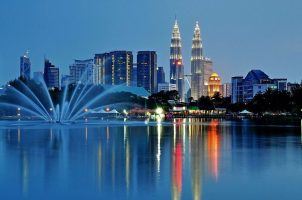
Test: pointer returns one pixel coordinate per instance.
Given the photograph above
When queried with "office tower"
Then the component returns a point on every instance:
(25, 66)
(197, 69)
(82, 71)
(51, 75)
(226, 89)
(207, 72)
(65, 80)
(114, 68)
(214, 85)
(176, 62)
(166, 87)
(101, 61)
(237, 89)
(146, 70)
(134, 75)
(161, 75)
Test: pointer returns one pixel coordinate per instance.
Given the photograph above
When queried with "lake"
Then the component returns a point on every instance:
(184, 159)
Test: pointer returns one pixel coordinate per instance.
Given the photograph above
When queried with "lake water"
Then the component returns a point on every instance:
(187, 159)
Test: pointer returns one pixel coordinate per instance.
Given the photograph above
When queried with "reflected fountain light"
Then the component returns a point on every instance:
(107, 133)
(125, 134)
(86, 134)
(99, 159)
(25, 173)
(158, 154)
(127, 165)
(19, 135)
(50, 134)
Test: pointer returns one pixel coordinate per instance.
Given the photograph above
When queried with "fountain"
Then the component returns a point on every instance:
(31, 99)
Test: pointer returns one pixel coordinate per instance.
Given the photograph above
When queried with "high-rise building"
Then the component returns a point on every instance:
(226, 89)
(82, 71)
(51, 75)
(207, 72)
(176, 62)
(114, 68)
(134, 75)
(146, 70)
(65, 80)
(237, 89)
(101, 61)
(161, 76)
(214, 85)
(197, 69)
(25, 66)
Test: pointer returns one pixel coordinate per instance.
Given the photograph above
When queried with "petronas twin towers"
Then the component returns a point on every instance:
(201, 67)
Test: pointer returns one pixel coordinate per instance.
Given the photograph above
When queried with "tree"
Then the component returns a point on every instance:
(205, 103)
(297, 99)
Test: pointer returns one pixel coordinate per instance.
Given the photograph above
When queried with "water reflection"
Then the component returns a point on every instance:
(185, 160)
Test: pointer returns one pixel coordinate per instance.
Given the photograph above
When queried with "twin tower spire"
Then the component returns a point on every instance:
(176, 60)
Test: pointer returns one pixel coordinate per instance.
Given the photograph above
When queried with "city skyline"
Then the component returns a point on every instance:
(245, 39)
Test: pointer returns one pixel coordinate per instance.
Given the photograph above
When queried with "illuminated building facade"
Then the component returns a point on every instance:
(255, 82)
(166, 87)
(147, 70)
(100, 63)
(214, 85)
(81, 71)
(226, 89)
(176, 62)
(197, 69)
(207, 72)
(25, 66)
(114, 68)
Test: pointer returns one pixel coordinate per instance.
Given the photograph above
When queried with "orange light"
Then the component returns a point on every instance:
(179, 63)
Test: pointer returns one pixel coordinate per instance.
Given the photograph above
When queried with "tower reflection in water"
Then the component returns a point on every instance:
(177, 161)
(118, 160)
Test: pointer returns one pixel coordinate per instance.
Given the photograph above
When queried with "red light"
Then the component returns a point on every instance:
(179, 63)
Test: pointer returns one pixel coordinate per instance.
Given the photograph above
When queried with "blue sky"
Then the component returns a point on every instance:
(238, 34)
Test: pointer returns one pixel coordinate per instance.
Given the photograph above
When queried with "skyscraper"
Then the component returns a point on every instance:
(81, 71)
(147, 70)
(25, 66)
(100, 62)
(197, 68)
(207, 72)
(114, 68)
(176, 62)
(51, 75)
(161, 75)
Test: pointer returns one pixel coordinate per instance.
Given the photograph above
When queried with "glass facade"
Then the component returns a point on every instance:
(147, 70)
(25, 66)
(51, 75)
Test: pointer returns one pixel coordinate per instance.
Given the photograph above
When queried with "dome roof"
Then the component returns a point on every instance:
(214, 75)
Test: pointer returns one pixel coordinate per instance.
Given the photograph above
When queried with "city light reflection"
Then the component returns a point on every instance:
(213, 144)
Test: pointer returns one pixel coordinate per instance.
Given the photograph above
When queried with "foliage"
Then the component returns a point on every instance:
(161, 99)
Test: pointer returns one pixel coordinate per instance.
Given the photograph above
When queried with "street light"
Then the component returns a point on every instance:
(159, 111)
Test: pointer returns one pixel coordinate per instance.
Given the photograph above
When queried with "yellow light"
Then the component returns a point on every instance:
(159, 111)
